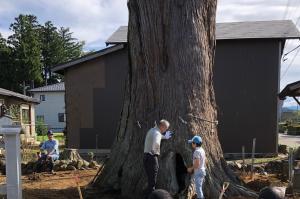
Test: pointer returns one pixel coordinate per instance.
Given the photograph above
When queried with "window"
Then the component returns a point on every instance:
(61, 117)
(25, 116)
(40, 118)
(42, 98)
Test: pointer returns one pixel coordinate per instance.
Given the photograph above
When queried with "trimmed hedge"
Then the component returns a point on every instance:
(294, 129)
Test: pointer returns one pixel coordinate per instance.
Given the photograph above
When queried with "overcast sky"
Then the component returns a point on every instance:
(94, 20)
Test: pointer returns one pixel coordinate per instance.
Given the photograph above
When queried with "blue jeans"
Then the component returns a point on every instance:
(199, 178)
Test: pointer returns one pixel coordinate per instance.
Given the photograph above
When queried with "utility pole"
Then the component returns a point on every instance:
(24, 87)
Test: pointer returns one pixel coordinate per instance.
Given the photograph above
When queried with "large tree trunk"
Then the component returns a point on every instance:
(171, 53)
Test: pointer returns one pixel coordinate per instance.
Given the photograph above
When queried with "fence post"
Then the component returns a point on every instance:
(96, 141)
(290, 164)
(253, 154)
(243, 158)
(13, 161)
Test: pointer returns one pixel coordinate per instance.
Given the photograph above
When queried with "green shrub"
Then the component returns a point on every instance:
(282, 127)
(44, 137)
(40, 127)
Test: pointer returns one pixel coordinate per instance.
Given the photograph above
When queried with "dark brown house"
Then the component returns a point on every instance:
(246, 82)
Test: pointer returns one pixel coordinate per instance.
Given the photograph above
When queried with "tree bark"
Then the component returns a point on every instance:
(171, 54)
(70, 154)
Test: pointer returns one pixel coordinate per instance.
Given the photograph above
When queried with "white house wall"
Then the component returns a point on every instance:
(54, 103)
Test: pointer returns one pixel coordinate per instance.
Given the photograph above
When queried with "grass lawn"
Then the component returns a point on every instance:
(58, 136)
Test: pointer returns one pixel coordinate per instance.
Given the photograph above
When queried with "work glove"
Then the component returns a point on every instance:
(168, 135)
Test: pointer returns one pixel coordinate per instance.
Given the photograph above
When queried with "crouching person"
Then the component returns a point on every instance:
(198, 167)
(46, 160)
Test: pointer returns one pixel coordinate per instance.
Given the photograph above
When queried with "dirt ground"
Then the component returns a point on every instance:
(260, 181)
(61, 185)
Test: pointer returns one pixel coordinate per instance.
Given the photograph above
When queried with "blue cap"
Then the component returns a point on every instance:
(50, 132)
(196, 139)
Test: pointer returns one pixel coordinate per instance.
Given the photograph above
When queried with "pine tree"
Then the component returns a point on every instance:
(51, 51)
(26, 49)
(30, 52)
(58, 46)
(72, 48)
(7, 79)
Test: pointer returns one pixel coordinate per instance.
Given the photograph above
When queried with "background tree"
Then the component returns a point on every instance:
(71, 47)
(171, 51)
(58, 46)
(7, 78)
(26, 49)
(51, 51)
(32, 50)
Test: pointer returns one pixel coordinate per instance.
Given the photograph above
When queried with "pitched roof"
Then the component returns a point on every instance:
(17, 95)
(291, 90)
(277, 29)
(50, 88)
(59, 68)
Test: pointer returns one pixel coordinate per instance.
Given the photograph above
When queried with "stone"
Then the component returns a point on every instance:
(274, 166)
(93, 164)
(265, 173)
(85, 164)
(79, 164)
(238, 165)
(259, 169)
(63, 167)
(271, 192)
(71, 167)
(56, 167)
(74, 163)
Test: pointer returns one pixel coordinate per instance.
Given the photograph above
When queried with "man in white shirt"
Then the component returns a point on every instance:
(152, 151)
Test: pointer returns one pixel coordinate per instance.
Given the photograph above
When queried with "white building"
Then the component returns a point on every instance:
(21, 108)
(51, 109)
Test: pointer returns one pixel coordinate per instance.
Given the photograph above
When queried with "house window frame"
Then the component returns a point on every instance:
(61, 117)
(42, 98)
(24, 120)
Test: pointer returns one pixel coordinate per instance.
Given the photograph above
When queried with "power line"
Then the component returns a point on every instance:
(288, 67)
(291, 51)
(286, 9)
(286, 14)
(294, 10)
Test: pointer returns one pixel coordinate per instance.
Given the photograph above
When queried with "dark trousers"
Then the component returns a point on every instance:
(44, 164)
(151, 166)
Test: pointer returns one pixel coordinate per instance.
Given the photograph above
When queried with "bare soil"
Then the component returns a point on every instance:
(61, 185)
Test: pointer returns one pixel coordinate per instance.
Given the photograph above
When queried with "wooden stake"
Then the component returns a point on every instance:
(78, 187)
(225, 186)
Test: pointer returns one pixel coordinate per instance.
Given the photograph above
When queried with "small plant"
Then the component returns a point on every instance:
(14, 112)
(91, 156)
